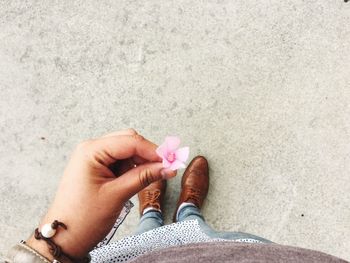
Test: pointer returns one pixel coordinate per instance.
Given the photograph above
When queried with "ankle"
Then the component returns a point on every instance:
(183, 206)
(151, 208)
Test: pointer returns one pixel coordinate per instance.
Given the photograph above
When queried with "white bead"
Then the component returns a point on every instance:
(47, 231)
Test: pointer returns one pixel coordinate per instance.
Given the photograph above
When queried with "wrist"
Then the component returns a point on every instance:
(68, 238)
(62, 246)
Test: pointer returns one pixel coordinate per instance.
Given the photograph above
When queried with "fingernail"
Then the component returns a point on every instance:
(167, 173)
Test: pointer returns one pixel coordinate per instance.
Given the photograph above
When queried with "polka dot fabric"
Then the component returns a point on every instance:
(176, 234)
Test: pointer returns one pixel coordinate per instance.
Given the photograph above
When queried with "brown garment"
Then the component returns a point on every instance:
(235, 252)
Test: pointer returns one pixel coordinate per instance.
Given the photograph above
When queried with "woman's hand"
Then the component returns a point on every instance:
(101, 176)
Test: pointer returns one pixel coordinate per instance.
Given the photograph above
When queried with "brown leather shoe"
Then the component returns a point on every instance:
(194, 183)
(152, 195)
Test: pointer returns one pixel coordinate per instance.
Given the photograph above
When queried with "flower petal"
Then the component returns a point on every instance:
(182, 154)
(176, 165)
(166, 164)
(172, 143)
(162, 151)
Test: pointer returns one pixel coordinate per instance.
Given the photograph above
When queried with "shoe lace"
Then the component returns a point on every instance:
(151, 199)
(194, 195)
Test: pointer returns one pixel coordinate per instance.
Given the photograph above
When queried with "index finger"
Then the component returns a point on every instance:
(125, 146)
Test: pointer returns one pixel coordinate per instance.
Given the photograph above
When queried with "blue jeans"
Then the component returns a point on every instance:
(153, 219)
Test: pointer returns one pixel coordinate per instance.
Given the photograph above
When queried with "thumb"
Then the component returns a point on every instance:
(136, 179)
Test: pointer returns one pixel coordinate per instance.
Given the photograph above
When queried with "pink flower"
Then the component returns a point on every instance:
(173, 156)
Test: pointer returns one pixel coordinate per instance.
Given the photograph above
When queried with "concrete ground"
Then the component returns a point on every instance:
(262, 88)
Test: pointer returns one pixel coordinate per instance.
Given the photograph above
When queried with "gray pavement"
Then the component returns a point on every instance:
(262, 88)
